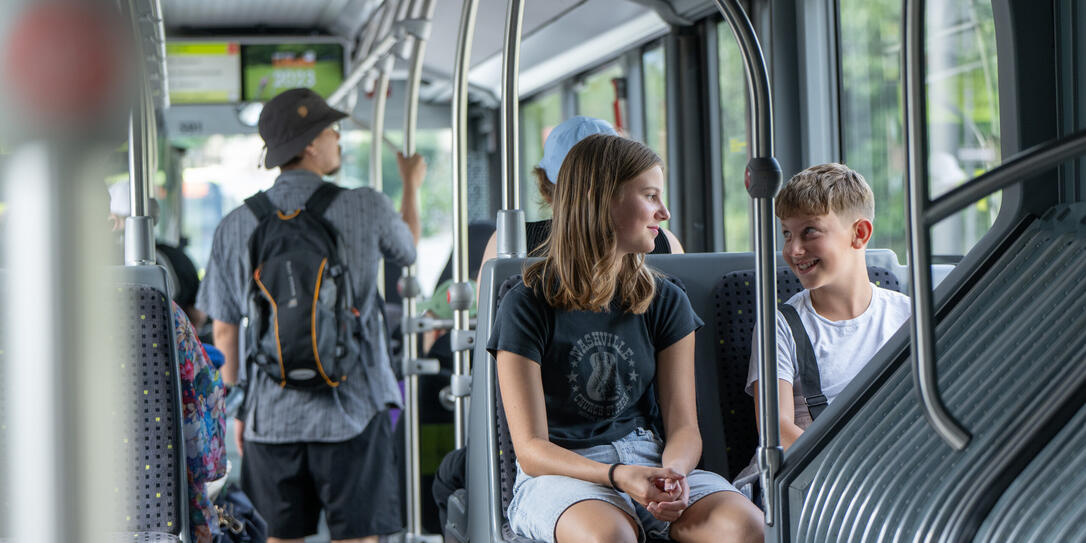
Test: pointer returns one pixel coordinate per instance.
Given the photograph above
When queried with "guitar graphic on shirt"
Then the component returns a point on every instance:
(603, 383)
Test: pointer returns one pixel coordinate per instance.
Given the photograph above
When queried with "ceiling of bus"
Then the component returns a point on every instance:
(339, 17)
(560, 37)
(346, 18)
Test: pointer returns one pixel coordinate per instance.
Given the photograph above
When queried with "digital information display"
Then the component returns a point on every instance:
(271, 69)
(204, 72)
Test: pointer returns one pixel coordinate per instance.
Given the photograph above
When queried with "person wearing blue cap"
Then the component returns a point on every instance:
(560, 140)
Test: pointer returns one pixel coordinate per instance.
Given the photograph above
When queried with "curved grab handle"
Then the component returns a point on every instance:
(763, 180)
(923, 328)
(1020, 166)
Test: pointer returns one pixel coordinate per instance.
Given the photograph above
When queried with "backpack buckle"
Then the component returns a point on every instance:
(816, 400)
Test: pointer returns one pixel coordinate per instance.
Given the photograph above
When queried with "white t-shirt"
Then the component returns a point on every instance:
(841, 348)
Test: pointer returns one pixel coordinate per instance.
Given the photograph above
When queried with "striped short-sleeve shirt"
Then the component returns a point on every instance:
(371, 229)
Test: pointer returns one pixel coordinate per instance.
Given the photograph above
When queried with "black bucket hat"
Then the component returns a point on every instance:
(290, 121)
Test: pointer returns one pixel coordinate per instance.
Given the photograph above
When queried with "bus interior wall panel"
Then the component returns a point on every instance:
(674, 172)
(1026, 54)
(819, 111)
(690, 158)
(1072, 67)
(1007, 360)
(777, 19)
(713, 120)
(635, 96)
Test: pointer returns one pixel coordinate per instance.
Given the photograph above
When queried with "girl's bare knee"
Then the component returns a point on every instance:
(594, 521)
(743, 521)
(722, 517)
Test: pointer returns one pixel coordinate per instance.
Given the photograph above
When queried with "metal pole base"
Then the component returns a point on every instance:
(405, 537)
(769, 462)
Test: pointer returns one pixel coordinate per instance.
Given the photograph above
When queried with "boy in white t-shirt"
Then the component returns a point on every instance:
(826, 214)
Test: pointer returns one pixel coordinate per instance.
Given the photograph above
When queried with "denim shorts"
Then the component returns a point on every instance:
(539, 501)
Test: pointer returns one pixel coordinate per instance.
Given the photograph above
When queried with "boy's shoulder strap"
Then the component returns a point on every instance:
(321, 198)
(808, 366)
(260, 205)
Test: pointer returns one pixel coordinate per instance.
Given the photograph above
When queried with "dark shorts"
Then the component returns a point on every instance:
(356, 482)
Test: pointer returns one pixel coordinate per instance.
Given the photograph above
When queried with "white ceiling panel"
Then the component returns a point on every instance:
(244, 13)
(585, 36)
(489, 28)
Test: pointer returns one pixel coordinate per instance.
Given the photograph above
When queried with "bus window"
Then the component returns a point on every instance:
(435, 194)
(596, 95)
(655, 81)
(733, 140)
(963, 120)
(654, 75)
(963, 115)
(220, 172)
(537, 117)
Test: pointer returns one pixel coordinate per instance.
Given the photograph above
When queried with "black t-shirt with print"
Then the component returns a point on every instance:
(597, 368)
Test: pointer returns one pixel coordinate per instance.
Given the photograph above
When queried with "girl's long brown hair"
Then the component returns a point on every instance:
(577, 272)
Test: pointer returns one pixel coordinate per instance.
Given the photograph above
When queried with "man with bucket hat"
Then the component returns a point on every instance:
(308, 449)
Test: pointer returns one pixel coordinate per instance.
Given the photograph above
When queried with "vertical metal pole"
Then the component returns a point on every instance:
(57, 434)
(139, 240)
(512, 240)
(377, 124)
(58, 440)
(139, 237)
(919, 238)
(410, 349)
(762, 165)
(461, 362)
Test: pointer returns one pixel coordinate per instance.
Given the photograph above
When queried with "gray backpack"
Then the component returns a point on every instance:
(302, 316)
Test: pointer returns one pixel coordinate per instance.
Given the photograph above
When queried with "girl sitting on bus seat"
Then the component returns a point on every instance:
(558, 143)
(584, 346)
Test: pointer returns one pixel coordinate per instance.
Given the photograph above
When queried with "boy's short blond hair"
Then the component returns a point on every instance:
(824, 188)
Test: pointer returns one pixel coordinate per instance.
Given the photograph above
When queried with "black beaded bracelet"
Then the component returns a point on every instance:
(611, 476)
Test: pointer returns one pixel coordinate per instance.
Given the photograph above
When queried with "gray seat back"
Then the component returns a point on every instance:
(150, 455)
(507, 456)
(735, 319)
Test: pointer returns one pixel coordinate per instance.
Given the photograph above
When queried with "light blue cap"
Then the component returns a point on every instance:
(565, 136)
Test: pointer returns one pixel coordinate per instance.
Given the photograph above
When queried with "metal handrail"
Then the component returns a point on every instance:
(510, 105)
(764, 176)
(1023, 165)
(139, 233)
(380, 99)
(461, 362)
(361, 69)
(919, 237)
(511, 237)
(377, 123)
(425, 9)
